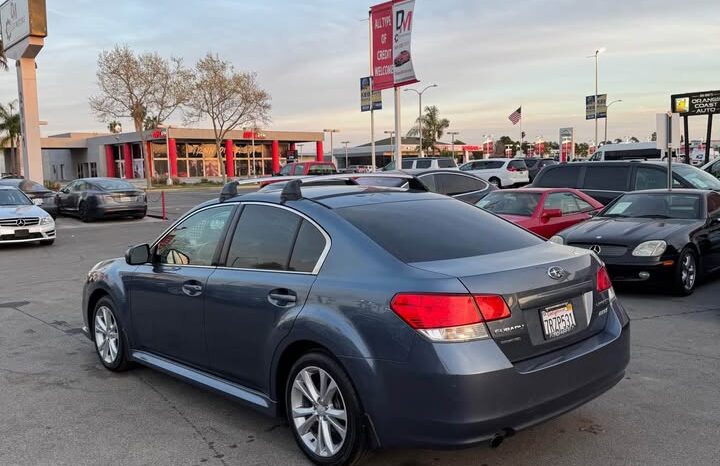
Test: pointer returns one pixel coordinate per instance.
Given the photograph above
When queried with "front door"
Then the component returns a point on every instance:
(167, 299)
(574, 210)
(253, 300)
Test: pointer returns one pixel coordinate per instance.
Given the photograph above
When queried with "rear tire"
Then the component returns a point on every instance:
(324, 412)
(495, 182)
(84, 213)
(686, 272)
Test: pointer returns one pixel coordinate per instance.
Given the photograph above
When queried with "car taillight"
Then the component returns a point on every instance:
(511, 169)
(449, 317)
(603, 280)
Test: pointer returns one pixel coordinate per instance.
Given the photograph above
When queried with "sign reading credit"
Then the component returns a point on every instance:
(696, 103)
(392, 24)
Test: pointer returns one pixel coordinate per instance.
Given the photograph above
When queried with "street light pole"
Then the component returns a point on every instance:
(597, 63)
(169, 181)
(345, 143)
(332, 132)
(607, 115)
(420, 125)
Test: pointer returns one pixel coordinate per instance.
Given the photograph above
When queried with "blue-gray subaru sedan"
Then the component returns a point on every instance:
(368, 317)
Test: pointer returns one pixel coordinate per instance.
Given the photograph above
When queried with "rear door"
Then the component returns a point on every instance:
(462, 187)
(271, 262)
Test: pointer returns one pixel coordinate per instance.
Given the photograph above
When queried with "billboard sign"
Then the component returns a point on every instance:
(20, 19)
(567, 144)
(404, 72)
(369, 99)
(590, 106)
(381, 17)
(392, 24)
(696, 103)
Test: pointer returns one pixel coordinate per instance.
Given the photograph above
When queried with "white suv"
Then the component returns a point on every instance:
(21, 221)
(503, 173)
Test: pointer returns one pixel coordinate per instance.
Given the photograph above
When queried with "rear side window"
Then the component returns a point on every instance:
(423, 164)
(564, 176)
(263, 239)
(407, 164)
(488, 165)
(518, 165)
(606, 178)
(453, 184)
(714, 205)
(446, 163)
(309, 246)
(299, 169)
(457, 230)
(650, 178)
(531, 163)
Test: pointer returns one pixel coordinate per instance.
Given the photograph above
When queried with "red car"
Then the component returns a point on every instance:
(304, 169)
(402, 58)
(544, 211)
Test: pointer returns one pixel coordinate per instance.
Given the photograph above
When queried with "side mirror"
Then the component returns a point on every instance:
(551, 213)
(138, 255)
(593, 213)
(37, 202)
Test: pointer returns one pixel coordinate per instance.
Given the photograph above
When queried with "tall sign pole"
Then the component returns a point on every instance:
(373, 157)
(24, 28)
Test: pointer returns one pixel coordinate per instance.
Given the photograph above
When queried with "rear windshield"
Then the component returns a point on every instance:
(456, 230)
(446, 163)
(322, 169)
(113, 184)
(565, 176)
(518, 165)
(513, 203)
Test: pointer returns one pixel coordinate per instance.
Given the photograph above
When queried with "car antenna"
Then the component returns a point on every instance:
(291, 191)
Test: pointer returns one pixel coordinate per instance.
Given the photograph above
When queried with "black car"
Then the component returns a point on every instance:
(535, 165)
(462, 186)
(95, 198)
(607, 180)
(671, 237)
(40, 195)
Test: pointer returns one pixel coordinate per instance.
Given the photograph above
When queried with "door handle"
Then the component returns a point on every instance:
(192, 289)
(282, 298)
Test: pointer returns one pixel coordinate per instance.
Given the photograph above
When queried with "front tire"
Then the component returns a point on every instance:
(495, 182)
(109, 337)
(686, 272)
(324, 412)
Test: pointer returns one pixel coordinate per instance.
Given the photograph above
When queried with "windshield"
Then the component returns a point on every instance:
(13, 197)
(112, 185)
(656, 205)
(504, 203)
(698, 178)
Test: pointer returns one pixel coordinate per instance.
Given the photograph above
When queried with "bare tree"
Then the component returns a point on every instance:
(228, 98)
(133, 86)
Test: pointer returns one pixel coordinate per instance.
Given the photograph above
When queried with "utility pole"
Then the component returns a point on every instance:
(332, 154)
(452, 145)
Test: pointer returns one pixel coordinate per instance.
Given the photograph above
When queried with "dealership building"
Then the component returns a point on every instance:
(185, 153)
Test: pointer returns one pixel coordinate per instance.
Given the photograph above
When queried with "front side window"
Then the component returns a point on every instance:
(566, 202)
(422, 164)
(287, 170)
(271, 238)
(510, 203)
(195, 240)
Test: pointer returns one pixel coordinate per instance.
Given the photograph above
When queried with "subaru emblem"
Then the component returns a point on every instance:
(556, 273)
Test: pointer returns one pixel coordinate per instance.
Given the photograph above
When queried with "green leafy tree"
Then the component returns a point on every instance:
(433, 127)
(151, 122)
(10, 132)
(3, 58)
(581, 149)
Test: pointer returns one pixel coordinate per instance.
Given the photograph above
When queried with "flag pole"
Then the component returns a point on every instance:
(522, 136)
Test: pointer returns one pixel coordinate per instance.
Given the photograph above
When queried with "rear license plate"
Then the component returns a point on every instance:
(20, 234)
(558, 320)
(127, 199)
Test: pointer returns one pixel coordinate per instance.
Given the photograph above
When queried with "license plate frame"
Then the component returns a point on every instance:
(127, 199)
(558, 320)
(21, 234)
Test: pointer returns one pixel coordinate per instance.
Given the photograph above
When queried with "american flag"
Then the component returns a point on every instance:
(516, 116)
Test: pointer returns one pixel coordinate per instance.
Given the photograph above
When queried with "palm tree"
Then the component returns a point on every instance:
(10, 132)
(433, 128)
(3, 58)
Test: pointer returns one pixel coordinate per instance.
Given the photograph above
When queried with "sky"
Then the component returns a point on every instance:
(488, 57)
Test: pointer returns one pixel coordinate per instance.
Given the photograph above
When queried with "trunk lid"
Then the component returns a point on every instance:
(523, 279)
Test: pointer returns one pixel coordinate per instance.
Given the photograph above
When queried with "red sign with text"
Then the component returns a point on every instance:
(382, 40)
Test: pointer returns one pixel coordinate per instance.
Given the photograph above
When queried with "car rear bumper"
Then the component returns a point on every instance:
(471, 393)
(119, 210)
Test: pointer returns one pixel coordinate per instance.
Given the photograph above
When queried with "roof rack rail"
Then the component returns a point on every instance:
(292, 190)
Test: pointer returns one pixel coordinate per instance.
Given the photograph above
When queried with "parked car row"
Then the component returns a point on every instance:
(22, 221)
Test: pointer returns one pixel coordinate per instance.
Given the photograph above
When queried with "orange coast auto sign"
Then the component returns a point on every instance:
(392, 24)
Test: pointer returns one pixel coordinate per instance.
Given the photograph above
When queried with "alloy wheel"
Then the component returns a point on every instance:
(688, 271)
(107, 340)
(319, 413)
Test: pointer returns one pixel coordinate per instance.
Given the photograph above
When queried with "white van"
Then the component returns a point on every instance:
(629, 151)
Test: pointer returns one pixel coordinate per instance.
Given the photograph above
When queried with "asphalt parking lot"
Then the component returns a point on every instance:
(59, 406)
